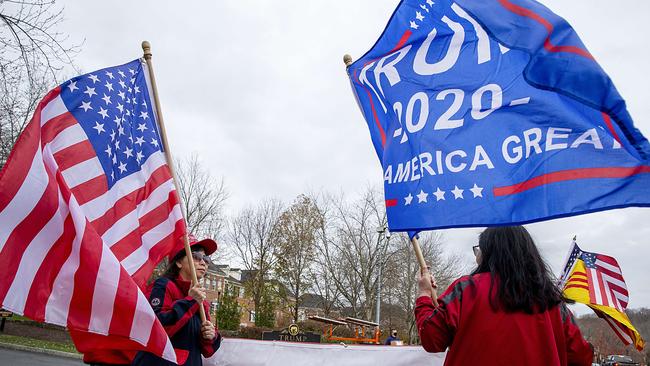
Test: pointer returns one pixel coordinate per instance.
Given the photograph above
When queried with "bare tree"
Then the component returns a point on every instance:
(351, 248)
(323, 282)
(32, 56)
(204, 198)
(323, 285)
(251, 233)
(295, 233)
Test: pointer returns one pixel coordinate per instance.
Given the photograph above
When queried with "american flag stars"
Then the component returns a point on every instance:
(99, 127)
(85, 106)
(107, 99)
(72, 86)
(458, 193)
(114, 112)
(90, 91)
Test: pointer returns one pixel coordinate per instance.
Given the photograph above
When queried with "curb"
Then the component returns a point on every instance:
(19, 347)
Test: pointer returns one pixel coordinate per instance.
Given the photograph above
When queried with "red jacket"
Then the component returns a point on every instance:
(179, 314)
(475, 334)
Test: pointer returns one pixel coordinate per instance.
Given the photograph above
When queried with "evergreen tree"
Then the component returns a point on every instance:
(229, 311)
(265, 315)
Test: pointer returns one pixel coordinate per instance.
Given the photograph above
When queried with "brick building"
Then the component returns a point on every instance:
(220, 277)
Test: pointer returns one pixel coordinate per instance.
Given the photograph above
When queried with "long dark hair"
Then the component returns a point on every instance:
(172, 269)
(525, 282)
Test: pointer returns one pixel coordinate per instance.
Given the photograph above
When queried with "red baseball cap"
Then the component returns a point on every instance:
(208, 245)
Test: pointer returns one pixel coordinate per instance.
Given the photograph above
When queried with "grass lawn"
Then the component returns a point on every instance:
(36, 343)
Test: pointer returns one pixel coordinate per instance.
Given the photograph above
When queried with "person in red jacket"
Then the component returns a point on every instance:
(509, 311)
(176, 304)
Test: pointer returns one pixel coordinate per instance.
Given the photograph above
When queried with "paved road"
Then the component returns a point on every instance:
(10, 357)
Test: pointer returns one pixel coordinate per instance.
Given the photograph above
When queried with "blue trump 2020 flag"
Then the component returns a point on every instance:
(493, 112)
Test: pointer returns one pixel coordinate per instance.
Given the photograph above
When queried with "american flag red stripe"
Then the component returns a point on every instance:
(74, 154)
(144, 271)
(612, 290)
(58, 221)
(592, 288)
(621, 332)
(56, 126)
(133, 240)
(44, 277)
(125, 204)
(22, 235)
(90, 189)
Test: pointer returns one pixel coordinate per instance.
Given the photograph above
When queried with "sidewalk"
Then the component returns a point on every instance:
(19, 347)
(25, 358)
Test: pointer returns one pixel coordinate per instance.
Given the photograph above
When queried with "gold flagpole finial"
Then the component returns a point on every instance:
(347, 60)
(146, 48)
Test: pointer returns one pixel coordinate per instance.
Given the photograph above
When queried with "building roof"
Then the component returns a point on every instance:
(313, 301)
(247, 274)
(216, 269)
(232, 279)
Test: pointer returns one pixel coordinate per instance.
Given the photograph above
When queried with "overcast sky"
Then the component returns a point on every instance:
(258, 90)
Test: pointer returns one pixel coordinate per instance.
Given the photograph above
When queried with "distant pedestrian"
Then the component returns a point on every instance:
(392, 337)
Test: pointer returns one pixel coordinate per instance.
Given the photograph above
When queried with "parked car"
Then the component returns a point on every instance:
(619, 360)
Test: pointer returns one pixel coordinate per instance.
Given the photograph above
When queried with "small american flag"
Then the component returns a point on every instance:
(597, 281)
(608, 287)
(87, 209)
(602, 276)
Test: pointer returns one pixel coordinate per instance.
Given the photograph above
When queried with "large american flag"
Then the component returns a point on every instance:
(602, 277)
(87, 209)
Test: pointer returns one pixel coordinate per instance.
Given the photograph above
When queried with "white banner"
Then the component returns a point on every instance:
(248, 352)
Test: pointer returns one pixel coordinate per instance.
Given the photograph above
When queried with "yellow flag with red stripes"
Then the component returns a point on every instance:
(576, 287)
